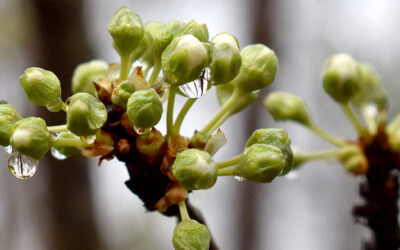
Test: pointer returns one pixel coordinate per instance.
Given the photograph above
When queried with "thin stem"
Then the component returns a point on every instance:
(154, 74)
(226, 171)
(125, 65)
(183, 211)
(369, 120)
(348, 111)
(170, 110)
(224, 113)
(328, 154)
(69, 142)
(230, 162)
(58, 128)
(179, 120)
(326, 136)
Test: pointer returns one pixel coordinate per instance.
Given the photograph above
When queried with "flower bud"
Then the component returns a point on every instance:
(143, 46)
(285, 106)
(258, 69)
(195, 169)
(126, 29)
(42, 87)
(189, 234)
(183, 60)
(371, 89)
(122, 92)
(67, 151)
(85, 114)
(8, 117)
(226, 59)
(276, 137)
(85, 74)
(224, 92)
(151, 30)
(341, 78)
(31, 137)
(163, 35)
(200, 31)
(144, 108)
(261, 163)
(354, 160)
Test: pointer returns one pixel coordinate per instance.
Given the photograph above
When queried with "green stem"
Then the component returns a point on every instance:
(226, 171)
(230, 162)
(154, 74)
(394, 124)
(58, 128)
(68, 142)
(183, 211)
(170, 110)
(125, 65)
(369, 120)
(221, 115)
(178, 122)
(326, 136)
(348, 111)
(329, 154)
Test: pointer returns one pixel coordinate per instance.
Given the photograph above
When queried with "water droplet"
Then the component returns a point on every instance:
(238, 178)
(57, 154)
(9, 149)
(292, 175)
(141, 131)
(371, 110)
(198, 87)
(55, 134)
(22, 166)
(88, 139)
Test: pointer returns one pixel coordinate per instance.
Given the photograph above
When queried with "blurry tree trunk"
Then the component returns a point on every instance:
(59, 46)
(249, 194)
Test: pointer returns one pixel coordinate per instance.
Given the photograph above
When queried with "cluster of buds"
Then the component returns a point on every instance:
(115, 107)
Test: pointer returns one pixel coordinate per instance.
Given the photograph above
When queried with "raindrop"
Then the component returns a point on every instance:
(371, 110)
(22, 166)
(57, 154)
(292, 175)
(141, 131)
(88, 139)
(55, 134)
(238, 178)
(9, 149)
(198, 87)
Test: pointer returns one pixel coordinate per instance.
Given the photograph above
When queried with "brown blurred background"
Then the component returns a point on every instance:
(74, 204)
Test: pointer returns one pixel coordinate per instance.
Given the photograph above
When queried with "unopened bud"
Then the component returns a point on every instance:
(8, 117)
(67, 151)
(86, 74)
(200, 31)
(189, 234)
(354, 160)
(122, 92)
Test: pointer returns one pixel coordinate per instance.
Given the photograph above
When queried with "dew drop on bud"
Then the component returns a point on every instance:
(55, 134)
(238, 178)
(22, 166)
(292, 175)
(198, 87)
(141, 131)
(9, 149)
(371, 110)
(88, 139)
(57, 154)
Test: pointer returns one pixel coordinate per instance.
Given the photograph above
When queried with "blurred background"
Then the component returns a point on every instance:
(74, 204)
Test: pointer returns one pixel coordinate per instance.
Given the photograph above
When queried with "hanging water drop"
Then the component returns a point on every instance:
(141, 131)
(292, 175)
(198, 87)
(22, 166)
(238, 178)
(88, 139)
(371, 110)
(9, 149)
(57, 154)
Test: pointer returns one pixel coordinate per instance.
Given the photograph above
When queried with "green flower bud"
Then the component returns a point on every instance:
(189, 234)
(143, 46)
(86, 73)
(195, 169)
(354, 160)
(258, 69)
(341, 78)
(151, 30)
(371, 89)
(226, 59)
(144, 108)
(276, 137)
(126, 29)
(85, 114)
(200, 31)
(285, 106)
(261, 163)
(8, 117)
(183, 60)
(224, 92)
(31, 137)
(122, 92)
(42, 87)
(67, 151)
